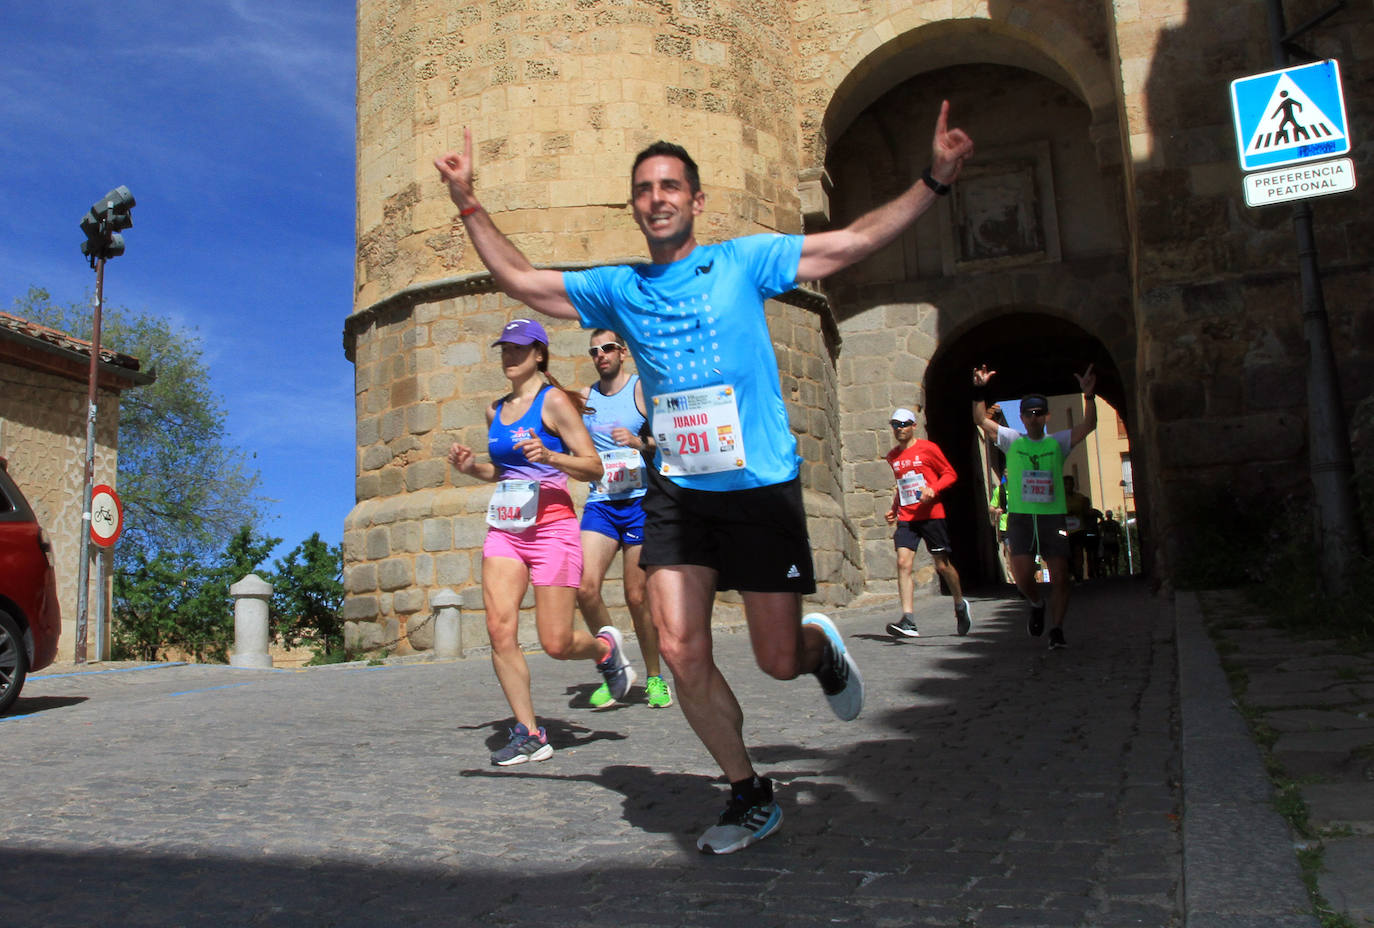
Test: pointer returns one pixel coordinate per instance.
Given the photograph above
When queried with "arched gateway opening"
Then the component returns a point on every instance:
(1031, 351)
(1024, 266)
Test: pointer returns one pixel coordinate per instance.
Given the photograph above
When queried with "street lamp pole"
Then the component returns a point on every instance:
(102, 225)
(92, 389)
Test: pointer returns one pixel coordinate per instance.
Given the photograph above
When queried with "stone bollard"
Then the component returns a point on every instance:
(447, 607)
(251, 596)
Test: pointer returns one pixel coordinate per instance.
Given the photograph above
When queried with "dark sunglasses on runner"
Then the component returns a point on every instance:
(899, 424)
(607, 348)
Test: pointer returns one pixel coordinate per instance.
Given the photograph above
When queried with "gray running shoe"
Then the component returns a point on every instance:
(523, 747)
(906, 628)
(838, 674)
(963, 618)
(741, 825)
(615, 668)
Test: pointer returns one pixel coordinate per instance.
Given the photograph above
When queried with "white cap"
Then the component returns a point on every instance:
(902, 414)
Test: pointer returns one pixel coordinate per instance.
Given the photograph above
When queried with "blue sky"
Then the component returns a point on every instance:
(232, 122)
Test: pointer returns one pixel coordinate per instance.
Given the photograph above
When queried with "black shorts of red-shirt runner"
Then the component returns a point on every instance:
(755, 540)
(933, 532)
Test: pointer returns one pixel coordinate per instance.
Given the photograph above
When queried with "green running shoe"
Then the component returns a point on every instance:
(657, 690)
(602, 698)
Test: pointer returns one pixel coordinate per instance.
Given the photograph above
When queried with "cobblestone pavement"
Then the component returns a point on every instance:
(989, 782)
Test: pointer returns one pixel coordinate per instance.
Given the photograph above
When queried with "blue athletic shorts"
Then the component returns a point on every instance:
(621, 519)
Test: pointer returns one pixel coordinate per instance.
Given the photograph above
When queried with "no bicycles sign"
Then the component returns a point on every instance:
(107, 516)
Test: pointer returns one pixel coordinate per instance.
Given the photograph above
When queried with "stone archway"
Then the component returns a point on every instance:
(1032, 350)
(905, 312)
(920, 38)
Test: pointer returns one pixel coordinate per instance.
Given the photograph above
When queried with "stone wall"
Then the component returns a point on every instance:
(42, 421)
(559, 97)
(1221, 347)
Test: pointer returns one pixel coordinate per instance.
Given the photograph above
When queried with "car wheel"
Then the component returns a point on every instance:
(14, 662)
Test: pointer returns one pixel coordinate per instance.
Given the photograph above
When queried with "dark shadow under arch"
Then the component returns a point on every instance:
(1030, 351)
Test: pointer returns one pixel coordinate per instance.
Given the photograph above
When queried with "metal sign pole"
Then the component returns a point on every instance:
(102, 604)
(84, 569)
(1337, 529)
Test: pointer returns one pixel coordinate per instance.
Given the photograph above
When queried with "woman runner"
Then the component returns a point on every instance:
(536, 440)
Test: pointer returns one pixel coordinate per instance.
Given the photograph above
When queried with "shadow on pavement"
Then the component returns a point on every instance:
(23, 707)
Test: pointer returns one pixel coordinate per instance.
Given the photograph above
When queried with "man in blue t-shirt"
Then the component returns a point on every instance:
(724, 503)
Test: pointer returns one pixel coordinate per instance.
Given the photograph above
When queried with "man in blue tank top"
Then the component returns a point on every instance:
(613, 517)
(724, 503)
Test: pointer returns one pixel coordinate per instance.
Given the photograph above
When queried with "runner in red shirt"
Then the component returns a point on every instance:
(923, 473)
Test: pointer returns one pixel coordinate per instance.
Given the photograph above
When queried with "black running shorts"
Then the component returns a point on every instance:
(754, 539)
(933, 532)
(1046, 534)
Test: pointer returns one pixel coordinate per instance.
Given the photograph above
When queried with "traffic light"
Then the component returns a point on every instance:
(103, 223)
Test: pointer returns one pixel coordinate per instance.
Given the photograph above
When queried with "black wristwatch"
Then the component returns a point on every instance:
(930, 181)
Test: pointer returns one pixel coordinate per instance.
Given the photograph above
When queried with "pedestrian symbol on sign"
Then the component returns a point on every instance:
(1288, 116)
(1294, 120)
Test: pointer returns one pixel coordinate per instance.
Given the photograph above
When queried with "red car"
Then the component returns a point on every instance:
(30, 617)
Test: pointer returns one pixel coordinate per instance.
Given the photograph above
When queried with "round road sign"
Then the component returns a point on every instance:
(107, 516)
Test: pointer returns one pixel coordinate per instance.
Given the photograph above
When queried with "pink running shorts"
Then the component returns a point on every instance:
(552, 551)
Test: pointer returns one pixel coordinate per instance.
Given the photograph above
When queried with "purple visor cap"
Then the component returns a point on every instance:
(522, 332)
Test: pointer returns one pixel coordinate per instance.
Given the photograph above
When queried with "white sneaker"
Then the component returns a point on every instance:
(839, 675)
(615, 667)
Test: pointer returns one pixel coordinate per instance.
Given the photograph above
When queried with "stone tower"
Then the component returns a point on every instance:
(1101, 221)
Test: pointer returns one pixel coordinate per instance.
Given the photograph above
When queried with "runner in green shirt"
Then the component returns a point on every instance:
(1035, 495)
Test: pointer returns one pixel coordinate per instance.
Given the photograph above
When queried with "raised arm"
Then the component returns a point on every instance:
(981, 419)
(1087, 382)
(538, 288)
(824, 253)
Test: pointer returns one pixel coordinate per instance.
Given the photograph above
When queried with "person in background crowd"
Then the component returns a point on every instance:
(923, 473)
(613, 517)
(1035, 495)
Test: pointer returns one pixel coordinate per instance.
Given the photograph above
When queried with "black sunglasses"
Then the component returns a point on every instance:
(607, 348)
(899, 424)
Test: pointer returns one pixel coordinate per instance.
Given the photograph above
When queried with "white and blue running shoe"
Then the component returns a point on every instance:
(615, 668)
(740, 825)
(839, 675)
(524, 746)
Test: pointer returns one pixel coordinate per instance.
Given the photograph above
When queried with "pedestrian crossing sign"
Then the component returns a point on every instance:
(1284, 117)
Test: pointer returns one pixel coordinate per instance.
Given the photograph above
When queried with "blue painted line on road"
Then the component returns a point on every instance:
(89, 673)
(227, 686)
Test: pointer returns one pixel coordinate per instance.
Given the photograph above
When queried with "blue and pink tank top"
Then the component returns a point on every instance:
(554, 501)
